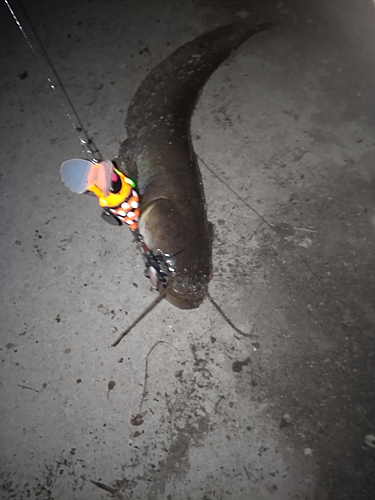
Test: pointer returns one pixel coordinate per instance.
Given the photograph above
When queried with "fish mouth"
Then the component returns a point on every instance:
(183, 301)
(178, 295)
(183, 298)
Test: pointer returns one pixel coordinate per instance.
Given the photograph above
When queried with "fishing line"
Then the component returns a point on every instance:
(88, 146)
(265, 221)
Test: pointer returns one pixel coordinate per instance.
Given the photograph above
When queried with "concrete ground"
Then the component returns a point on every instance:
(284, 131)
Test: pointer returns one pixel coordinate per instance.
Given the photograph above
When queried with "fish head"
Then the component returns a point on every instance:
(185, 240)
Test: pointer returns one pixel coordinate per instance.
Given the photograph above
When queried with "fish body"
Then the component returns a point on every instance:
(158, 153)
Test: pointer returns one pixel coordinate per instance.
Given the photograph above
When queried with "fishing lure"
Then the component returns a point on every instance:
(118, 197)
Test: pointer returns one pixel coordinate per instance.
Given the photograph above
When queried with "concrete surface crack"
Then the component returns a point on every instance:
(104, 487)
(27, 387)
